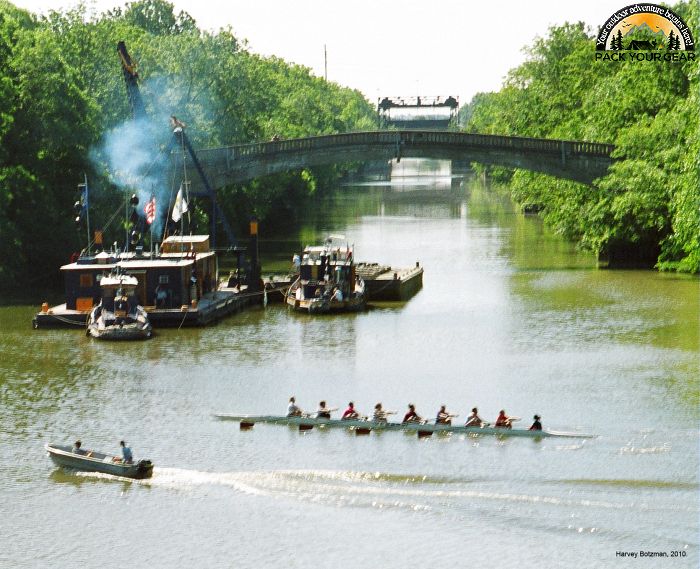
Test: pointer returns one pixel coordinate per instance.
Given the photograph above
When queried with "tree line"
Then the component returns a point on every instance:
(647, 209)
(62, 92)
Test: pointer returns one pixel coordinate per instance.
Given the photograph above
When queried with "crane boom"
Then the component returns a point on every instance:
(138, 111)
(131, 77)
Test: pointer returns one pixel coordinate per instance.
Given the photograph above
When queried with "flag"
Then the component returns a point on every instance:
(150, 211)
(180, 206)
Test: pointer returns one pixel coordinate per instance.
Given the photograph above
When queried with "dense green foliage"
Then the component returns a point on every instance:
(62, 93)
(649, 204)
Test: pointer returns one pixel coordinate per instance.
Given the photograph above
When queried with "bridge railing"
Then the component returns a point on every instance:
(402, 139)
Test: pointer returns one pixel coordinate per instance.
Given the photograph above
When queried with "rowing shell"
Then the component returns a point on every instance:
(306, 423)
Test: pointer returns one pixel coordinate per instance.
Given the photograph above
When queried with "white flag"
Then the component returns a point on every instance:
(180, 206)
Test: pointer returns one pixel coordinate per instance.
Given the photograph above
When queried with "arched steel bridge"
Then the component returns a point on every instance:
(579, 161)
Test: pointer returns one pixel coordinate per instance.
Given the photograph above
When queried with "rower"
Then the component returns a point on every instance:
(292, 409)
(504, 421)
(411, 416)
(76, 448)
(536, 425)
(380, 415)
(443, 417)
(350, 412)
(474, 420)
(323, 412)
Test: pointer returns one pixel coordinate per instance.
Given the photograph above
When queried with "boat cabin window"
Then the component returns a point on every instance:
(163, 279)
(85, 280)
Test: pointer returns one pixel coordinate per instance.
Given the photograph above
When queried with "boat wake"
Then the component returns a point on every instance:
(367, 489)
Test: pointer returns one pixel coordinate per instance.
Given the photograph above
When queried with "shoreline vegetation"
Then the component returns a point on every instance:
(646, 211)
(64, 116)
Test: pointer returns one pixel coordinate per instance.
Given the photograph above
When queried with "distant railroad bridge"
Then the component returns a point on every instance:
(572, 160)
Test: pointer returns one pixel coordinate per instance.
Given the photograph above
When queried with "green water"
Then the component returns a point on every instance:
(509, 317)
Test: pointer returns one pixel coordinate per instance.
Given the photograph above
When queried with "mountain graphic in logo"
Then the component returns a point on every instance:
(645, 27)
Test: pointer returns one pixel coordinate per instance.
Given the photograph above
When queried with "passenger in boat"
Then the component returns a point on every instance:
(411, 416)
(536, 425)
(350, 412)
(76, 448)
(474, 420)
(337, 295)
(292, 409)
(127, 456)
(443, 417)
(504, 421)
(323, 412)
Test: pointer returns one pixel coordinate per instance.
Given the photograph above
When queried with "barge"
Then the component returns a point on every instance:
(177, 286)
(327, 281)
(386, 283)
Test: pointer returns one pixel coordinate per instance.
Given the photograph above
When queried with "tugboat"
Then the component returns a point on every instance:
(327, 281)
(118, 316)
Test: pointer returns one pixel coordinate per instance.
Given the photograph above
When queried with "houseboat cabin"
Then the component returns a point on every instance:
(180, 273)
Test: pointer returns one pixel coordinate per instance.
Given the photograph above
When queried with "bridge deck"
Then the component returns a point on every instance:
(577, 160)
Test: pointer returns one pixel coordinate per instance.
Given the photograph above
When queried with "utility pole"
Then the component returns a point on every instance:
(325, 63)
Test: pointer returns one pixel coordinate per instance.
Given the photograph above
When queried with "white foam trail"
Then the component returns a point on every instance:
(344, 488)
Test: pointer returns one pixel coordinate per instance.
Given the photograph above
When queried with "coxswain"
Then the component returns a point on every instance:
(504, 421)
(411, 416)
(350, 412)
(443, 417)
(474, 420)
(292, 409)
(536, 425)
(323, 412)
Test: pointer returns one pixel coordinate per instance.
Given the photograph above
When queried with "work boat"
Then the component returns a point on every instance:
(327, 280)
(118, 316)
(93, 461)
(366, 425)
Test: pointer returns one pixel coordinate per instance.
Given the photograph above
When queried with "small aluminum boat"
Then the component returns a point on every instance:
(306, 423)
(93, 461)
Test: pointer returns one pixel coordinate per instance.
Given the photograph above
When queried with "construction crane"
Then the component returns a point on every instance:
(179, 140)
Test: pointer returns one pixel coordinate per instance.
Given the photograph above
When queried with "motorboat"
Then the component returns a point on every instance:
(93, 461)
(118, 316)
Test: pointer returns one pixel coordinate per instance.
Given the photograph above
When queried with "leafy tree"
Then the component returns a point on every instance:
(62, 96)
(650, 200)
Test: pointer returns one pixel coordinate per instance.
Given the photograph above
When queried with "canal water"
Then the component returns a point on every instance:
(510, 316)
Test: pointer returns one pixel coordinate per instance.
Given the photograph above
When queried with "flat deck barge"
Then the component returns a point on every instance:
(212, 307)
(382, 282)
(386, 283)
